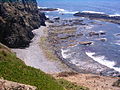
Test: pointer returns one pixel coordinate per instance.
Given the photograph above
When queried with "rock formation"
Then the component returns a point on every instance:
(9, 85)
(97, 16)
(17, 20)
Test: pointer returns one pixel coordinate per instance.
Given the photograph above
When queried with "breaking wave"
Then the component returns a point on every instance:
(102, 60)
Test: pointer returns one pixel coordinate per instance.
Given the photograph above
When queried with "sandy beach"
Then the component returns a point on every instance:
(34, 56)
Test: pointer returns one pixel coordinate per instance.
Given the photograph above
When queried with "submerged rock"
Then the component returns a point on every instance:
(93, 33)
(103, 39)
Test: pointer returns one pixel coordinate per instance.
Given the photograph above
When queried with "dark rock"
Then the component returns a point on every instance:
(103, 39)
(102, 33)
(97, 16)
(93, 33)
(48, 9)
(110, 72)
(85, 43)
(118, 34)
(56, 18)
(17, 20)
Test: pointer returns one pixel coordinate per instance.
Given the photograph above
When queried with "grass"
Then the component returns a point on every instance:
(13, 69)
(70, 86)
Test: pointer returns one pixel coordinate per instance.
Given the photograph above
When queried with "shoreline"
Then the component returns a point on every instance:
(61, 33)
(33, 55)
(54, 68)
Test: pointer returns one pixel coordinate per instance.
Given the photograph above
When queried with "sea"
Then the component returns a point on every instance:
(105, 53)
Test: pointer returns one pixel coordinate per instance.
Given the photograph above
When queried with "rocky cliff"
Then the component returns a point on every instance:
(17, 20)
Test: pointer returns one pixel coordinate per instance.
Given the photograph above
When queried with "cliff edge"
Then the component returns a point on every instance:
(17, 20)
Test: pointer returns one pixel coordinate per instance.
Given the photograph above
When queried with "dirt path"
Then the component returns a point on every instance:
(93, 82)
(33, 55)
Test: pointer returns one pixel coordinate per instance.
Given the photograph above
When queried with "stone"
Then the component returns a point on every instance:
(17, 20)
(86, 42)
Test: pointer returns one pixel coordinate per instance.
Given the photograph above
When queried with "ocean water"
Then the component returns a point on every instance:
(106, 53)
(70, 6)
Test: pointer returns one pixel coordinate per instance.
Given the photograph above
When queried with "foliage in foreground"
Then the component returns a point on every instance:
(13, 69)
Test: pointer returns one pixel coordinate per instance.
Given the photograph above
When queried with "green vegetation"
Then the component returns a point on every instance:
(70, 86)
(13, 69)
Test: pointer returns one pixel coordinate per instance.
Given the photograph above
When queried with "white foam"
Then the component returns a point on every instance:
(42, 7)
(63, 11)
(102, 60)
(93, 12)
(114, 15)
(74, 61)
(89, 27)
(47, 16)
(65, 56)
(117, 42)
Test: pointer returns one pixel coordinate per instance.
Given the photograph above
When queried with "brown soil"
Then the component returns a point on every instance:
(93, 82)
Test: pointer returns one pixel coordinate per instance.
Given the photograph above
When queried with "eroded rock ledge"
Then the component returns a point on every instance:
(99, 16)
(9, 85)
(17, 20)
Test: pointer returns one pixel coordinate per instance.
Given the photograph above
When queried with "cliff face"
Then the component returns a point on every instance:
(17, 20)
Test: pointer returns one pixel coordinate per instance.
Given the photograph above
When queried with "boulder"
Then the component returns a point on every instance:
(86, 42)
(93, 34)
(102, 32)
(103, 39)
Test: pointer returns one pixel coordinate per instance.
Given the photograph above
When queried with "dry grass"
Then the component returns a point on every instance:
(68, 30)
(47, 49)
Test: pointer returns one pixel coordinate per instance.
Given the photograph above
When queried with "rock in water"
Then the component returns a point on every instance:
(17, 20)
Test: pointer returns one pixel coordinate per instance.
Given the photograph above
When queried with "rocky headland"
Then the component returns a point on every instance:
(17, 20)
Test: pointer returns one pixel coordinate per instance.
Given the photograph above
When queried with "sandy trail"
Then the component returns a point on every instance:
(33, 55)
(93, 82)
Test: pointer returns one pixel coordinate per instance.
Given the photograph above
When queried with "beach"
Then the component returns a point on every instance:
(34, 56)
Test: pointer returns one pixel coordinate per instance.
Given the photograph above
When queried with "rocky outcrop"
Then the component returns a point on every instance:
(48, 9)
(9, 85)
(99, 16)
(17, 20)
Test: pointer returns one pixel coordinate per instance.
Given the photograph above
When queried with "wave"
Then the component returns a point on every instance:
(64, 55)
(42, 7)
(63, 11)
(114, 15)
(117, 42)
(93, 12)
(102, 60)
